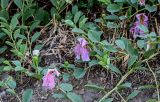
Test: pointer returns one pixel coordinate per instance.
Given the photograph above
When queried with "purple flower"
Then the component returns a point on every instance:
(142, 2)
(81, 50)
(142, 19)
(49, 79)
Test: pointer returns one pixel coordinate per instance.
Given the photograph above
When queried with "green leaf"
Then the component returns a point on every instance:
(70, 23)
(66, 87)
(54, 2)
(93, 62)
(58, 96)
(6, 31)
(112, 25)
(4, 4)
(113, 7)
(2, 49)
(11, 91)
(77, 16)
(114, 69)
(18, 3)
(78, 30)
(143, 28)
(94, 36)
(120, 43)
(7, 68)
(35, 36)
(151, 8)
(34, 25)
(110, 48)
(133, 94)
(132, 60)
(66, 76)
(141, 44)
(11, 83)
(82, 22)
(79, 73)
(2, 60)
(27, 95)
(19, 68)
(17, 63)
(95, 87)
(14, 21)
(74, 97)
(74, 9)
(126, 85)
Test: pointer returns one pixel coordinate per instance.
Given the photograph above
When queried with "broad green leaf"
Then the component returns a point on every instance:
(2, 60)
(34, 25)
(11, 83)
(70, 23)
(3, 19)
(6, 31)
(74, 97)
(66, 87)
(66, 76)
(110, 48)
(112, 25)
(114, 69)
(18, 3)
(4, 4)
(82, 22)
(58, 95)
(14, 21)
(151, 8)
(11, 91)
(143, 28)
(74, 9)
(77, 17)
(35, 37)
(120, 43)
(17, 63)
(78, 30)
(94, 36)
(7, 68)
(19, 68)
(93, 62)
(54, 2)
(27, 95)
(2, 49)
(141, 44)
(133, 94)
(113, 7)
(79, 73)
(132, 60)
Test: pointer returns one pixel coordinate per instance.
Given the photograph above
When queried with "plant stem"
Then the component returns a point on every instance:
(156, 82)
(116, 87)
(121, 96)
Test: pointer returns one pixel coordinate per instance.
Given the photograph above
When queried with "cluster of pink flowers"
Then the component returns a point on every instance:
(81, 50)
(49, 80)
(142, 19)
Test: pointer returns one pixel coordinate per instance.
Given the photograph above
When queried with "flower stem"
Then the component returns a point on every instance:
(116, 87)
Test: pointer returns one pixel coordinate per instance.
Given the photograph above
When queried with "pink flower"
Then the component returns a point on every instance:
(49, 80)
(142, 2)
(142, 19)
(81, 50)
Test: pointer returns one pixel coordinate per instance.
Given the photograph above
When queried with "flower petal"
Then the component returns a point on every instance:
(82, 42)
(77, 51)
(49, 81)
(85, 54)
